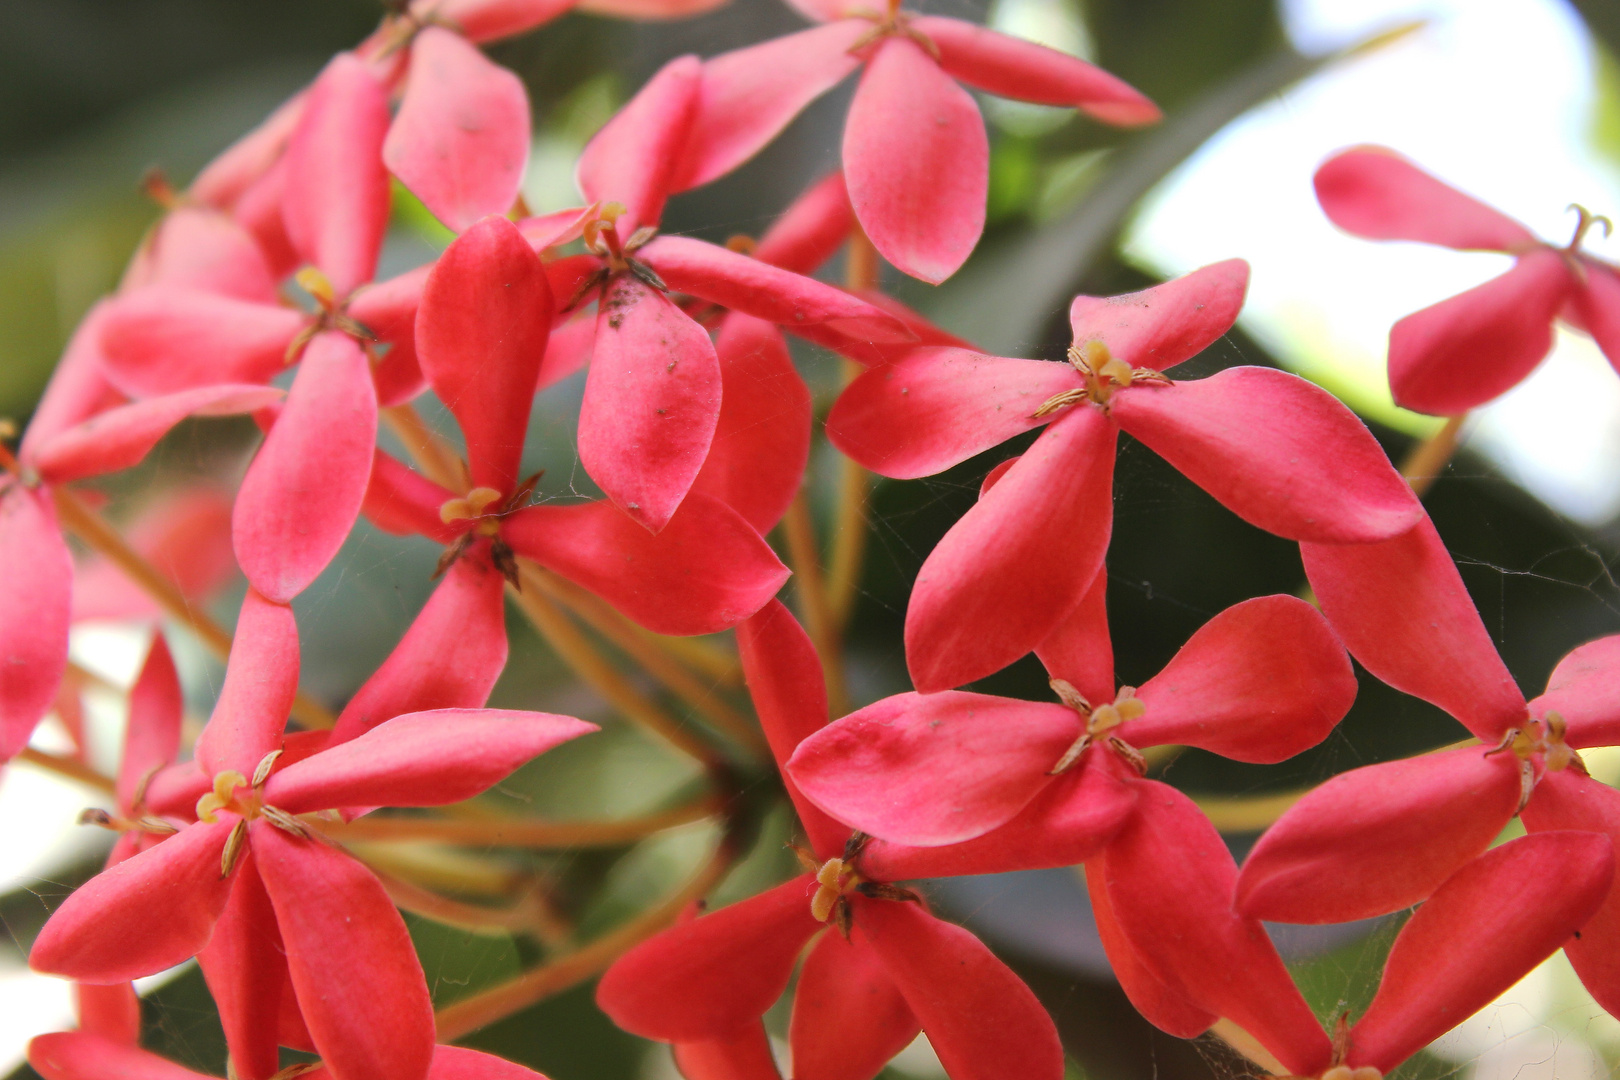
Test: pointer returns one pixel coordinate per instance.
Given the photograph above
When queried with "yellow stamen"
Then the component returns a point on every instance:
(225, 785)
(317, 285)
(470, 506)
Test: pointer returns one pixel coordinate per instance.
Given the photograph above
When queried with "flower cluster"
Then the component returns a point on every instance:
(697, 429)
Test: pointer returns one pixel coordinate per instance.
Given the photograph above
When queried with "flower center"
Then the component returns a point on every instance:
(1542, 739)
(332, 314)
(1101, 721)
(837, 879)
(891, 22)
(236, 794)
(1104, 374)
(475, 506)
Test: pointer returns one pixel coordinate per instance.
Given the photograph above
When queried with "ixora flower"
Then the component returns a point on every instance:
(1464, 351)
(279, 916)
(973, 779)
(1279, 452)
(915, 151)
(881, 969)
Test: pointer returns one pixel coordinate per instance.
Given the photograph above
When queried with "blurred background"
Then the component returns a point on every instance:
(1515, 101)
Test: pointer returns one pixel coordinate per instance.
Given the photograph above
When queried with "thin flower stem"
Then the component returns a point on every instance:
(1428, 459)
(66, 767)
(521, 832)
(438, 461)
(530, 915)
(804, 556)
(861, 274)
(710, 659)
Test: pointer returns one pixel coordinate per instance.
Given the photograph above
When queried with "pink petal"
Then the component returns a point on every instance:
(459, 1063)
(113, 1012)
(222, 181)
(259, 212)
(544, 231)
(120, 438)
(246, 970)
(749, 95)
(303, 491)
(863, 351)
(152, 736)
(356, 975)
(1260, 682)
(812, 229)
(1401, 609)
(933, 769)
(149, 912)
(567, 350)
(1160, 327)
(34, 611)
(1379, 838)
(849, 1018)
(649, 9)
(708, 570)
(480, 333)
(762, 437)
(78, 388)
(402, 501)
(1016, 563)
(996, 473)
(388, 310)
(1317, 475)
(195, 247)
(743, 1056)
(939, 406)
(707, 978)
(1169, 878)
(917, 162)
(487, 20)
(1080, 650)
(174, 791)
(1015, 68)
(1596, 303)
(1374, 192)
(261, 680)
(1546, 886)
(460, 141)
(981, 1019)
(162, 339)
(633, 159)
(186, 535)
(336, 207)
(80, 1055)
(1462, 352)
(1585, 690)
(652, 399)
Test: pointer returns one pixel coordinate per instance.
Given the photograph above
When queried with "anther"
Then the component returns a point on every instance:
(470, 506)
(225, 785)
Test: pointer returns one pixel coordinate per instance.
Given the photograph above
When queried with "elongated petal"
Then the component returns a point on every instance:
(812, 229)
(336, 203)
(1546, 886)
(1374, 192)
(1261, 681)
(634, 158)
(81, 1055)
(152, 736)
(1281, 453)
(162, 339)
(1401, 609)
(303, 491)
(1080, 650)
(1160, 327)
(849, 1018)
(765, 291)
(119, 438)
(261, 680)
(480, 335)
(1169, 878)
(388, 310)
(939, 406)
(649, 9)
(652, 399)
(259, 211)
(745, 1055)
(223, 180)
(1017, 562)
(488, 20)
(762, 437)
(708, 570)
(113, 1012)
(149, 912)
(749, 95)
(459, 1063)
(1015, 68)
(1462, 352)
(707, 978)
(567, 350)
(981, 1019)
(196, 247)
(174, 791)
(36, 598)
(246, 969)
(862, 351)
(460, 140)
(1595, 302)
(1380, 838)
(917, 161)
(78, 388)
(402, 501)
(1585, 690)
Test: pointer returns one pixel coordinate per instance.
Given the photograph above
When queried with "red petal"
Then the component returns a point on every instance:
(849, 1018)
(1462, 352)
(749, 95)
(336, 203)
(80, 1055)
(1380, 838)
(487, 20)
(149, 912)
(553, 230)
(152, 736)
(1015, 68)
(933, 769)
(78, 388)
(708, 977)
(174, 791)
(196, 247)
(1402, 610)
(1160, 327)
(1585, 691)
(450, 657)
(303, 491)
(982, 1020)
(1016, 563)
(460, 141)
(917, 162)
(1596, 304)
(222, 181)
(1080, 651)
(1260, 682)
(1169, 878)
(810, 231)
(708, 570)
(567, 350)
(401, 501)
(866, 352)
(388, 310)
(1317, 475)
(480, 333)
(652, 399)
(261, 680)
(762, 437)
(1543, 886)
(162, 339)
(1374, 192)
(358, 982)
(633, 159)
(246, 970)
(744, 1056)
(113, 1012)
(34, 611)
(459, 1063)
(937, 407)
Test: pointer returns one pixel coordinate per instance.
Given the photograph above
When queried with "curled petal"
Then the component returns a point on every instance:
(261, 680)
(1374, 192)
(223, 180)
(745, 1055)
(567, 350)
(871, 354)
(388, 310)
(152, 736)
(259, 211)
(810, 231)
(1160, 327)
(78, 388)
(113, 1012)
(1080, 651)
(196, 247)
(1584, 689)
(163, 339)
(36, 600)
(82, 1055)
(849, 1018)
(634, 158)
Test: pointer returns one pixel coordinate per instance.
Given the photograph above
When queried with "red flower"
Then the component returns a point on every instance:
(1463, 352)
